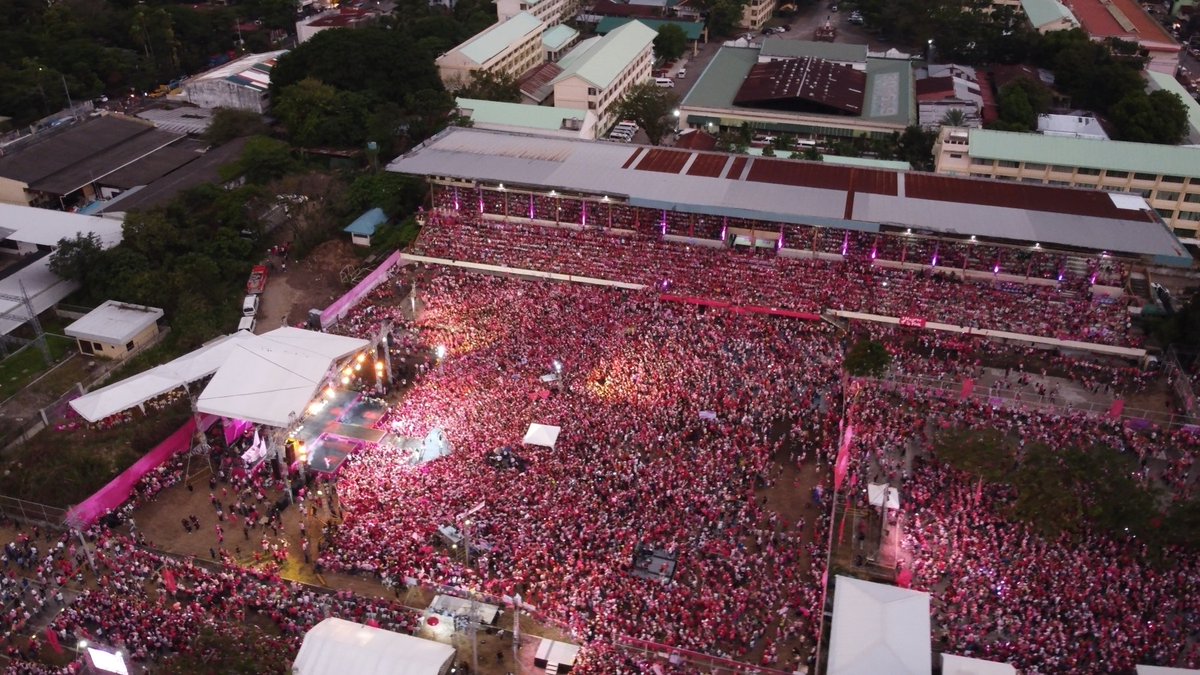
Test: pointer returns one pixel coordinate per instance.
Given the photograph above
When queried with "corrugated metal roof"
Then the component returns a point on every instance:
(366, 224)
(536, 84)
(1042, 12)
(600, 61)
(498, 37)
(791, 191)
(692, 29)
(804, 84)
(558, 37)
(830, 51)
(1084, 152)
(262, 63)
(548, 118)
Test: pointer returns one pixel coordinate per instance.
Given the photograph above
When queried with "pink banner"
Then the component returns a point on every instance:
(843, 459)
(912, 322)
(1117, 408)
(111, 496)
(234, 430)
(967, 387)
(334, 312)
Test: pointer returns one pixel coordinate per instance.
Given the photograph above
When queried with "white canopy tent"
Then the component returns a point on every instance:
(879, 629)
(271, 379)
(1165, 670)
(965, 665)
(542, 434)
(135, 390)
(875, 495)
(339, 647)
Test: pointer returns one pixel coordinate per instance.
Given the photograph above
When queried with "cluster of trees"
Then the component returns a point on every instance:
(722, 16)
(116, 48)
(1065, 489)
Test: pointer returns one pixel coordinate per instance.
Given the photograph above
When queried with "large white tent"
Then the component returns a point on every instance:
(271, 379)
(261, 378)
(879, 629)
(965, 665)
(133, 391)
(339, 647)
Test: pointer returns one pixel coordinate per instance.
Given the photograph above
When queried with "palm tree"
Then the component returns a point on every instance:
(954, 117)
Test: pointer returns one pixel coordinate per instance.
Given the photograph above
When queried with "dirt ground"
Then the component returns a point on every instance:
(311, 283)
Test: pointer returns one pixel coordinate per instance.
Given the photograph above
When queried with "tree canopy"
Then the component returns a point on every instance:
(652, 107)
(1157, 117)
(671, 42)
(867, 357)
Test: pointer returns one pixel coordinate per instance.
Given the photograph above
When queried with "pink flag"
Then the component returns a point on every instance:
(843, 458)
(967, 388)
(52, 640)
(1118, 407)
(372, 623)
(169, 580)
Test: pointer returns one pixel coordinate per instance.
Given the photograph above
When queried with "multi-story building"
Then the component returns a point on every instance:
(1167, 176)
(550, 11)
(509, 47)
(756, 13)
(598, 72)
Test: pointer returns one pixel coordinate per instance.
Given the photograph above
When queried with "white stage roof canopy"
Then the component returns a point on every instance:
(339, 647)
(268, 379)
(261, 378)
(879, 629)
(542, 434)
(875, 495)
(965, 665)
(133, 391)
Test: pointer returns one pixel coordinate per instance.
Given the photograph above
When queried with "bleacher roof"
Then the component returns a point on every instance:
(252, 71)
(498, 37)
(793, 191)
(600, 60)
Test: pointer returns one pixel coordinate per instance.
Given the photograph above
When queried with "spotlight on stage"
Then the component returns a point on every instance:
(557, 366)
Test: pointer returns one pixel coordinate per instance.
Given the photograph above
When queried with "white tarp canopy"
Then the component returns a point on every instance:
(542, 434)
(448, 605)
(965, 665)
(879, 629)
(271, 379)
(1165, 670)
(339, 647)
(133, 391)
(875, 494)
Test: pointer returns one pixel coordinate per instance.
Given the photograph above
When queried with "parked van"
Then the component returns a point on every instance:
(248, 323)
(664, 82)
(250, 306)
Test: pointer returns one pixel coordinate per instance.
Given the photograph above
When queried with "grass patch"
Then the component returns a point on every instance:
(24, 366)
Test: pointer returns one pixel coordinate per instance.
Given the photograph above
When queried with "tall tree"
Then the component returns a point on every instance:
(652, 107)
(1157, 117)
(491, 86)
(671, 42)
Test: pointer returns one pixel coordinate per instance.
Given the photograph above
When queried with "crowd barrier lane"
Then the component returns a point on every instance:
(500, 269)
(112, 496)
(338, 309)
(1113, 350)
(697, 657)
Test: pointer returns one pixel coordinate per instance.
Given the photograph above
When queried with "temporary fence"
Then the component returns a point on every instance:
(678, 655)
(339, 308)
(32, 512)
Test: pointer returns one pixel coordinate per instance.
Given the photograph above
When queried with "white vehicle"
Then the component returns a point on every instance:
(250, 305)
(681, 74)
(664, 82)
(248, 323)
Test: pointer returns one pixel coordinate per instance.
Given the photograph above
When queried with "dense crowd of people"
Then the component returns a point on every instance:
(806, 283)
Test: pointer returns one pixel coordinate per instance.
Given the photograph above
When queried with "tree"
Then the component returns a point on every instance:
(491, 86)
(954, 117)
(396, 194)
(263, 160)
(671, 42)
(723, 15)
(76, 259)
(235, 649)
(1158, 117)
(867, 358)
(228, 124)
(651, 106)
(915, 146)
(317, 114)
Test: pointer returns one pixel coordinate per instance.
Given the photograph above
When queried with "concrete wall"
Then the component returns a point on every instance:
(116, 352)
(13, 192)
(224, 94)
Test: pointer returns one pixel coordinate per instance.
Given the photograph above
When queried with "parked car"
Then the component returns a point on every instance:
(681, 74)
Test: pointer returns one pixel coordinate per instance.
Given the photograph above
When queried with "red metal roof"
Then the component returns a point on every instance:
(709, 166)
(1013, 195)
(824, 176)
(636, 153)
(663, 161)
(1120, 18)
(735, 169)
(696, 139)
(804, 84)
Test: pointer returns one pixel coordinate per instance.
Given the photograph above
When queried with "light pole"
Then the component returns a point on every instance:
(929, 53)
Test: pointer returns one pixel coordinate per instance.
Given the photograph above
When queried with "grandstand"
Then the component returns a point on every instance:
(1018, 232)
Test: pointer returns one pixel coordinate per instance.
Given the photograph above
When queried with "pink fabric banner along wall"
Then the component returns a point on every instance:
(334, 312)
(113, 495)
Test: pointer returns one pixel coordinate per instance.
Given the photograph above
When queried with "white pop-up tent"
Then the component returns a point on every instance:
(271, 379)
(542, 434)
(879, 629)
(339, 647)
(965, 665)
(1165, 670)
(875, 495)
(133, 391)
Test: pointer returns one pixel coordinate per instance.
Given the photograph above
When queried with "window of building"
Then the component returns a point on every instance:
(1172, 179)
(1145, 176)
(1057, 168)
(1192, 198)
(1116, 174)
(591, 91)
(1168, 196)
(1087, 171)
(1180, 232)
(979, 161)
(1167, 214)
(129, 346)
(956, 155)
(86, 347)
(1034, 167)
(1193, 216)
(1006, 164)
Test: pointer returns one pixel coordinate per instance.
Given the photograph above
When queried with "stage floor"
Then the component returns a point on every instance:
(340, 427)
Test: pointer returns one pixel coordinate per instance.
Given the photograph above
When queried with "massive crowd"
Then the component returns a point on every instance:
(675, 419)
(807, 284)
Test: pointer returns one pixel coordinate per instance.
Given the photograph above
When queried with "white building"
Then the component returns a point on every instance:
(598, 72)
(240, 84)
(115, 329)
(509, 47)
(550, 11)
(1071, 126)
(756, 13)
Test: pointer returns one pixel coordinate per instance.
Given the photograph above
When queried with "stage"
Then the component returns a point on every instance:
(337, 426)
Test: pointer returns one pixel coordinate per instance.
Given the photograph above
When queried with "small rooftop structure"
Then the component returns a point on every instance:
(115, 328)
(364, 226)
(1071, 126)
(1049, 15)
(889, 164)
(600, 60)
(559, 37)
(837, 52)
(804, 84)
(542, 120)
